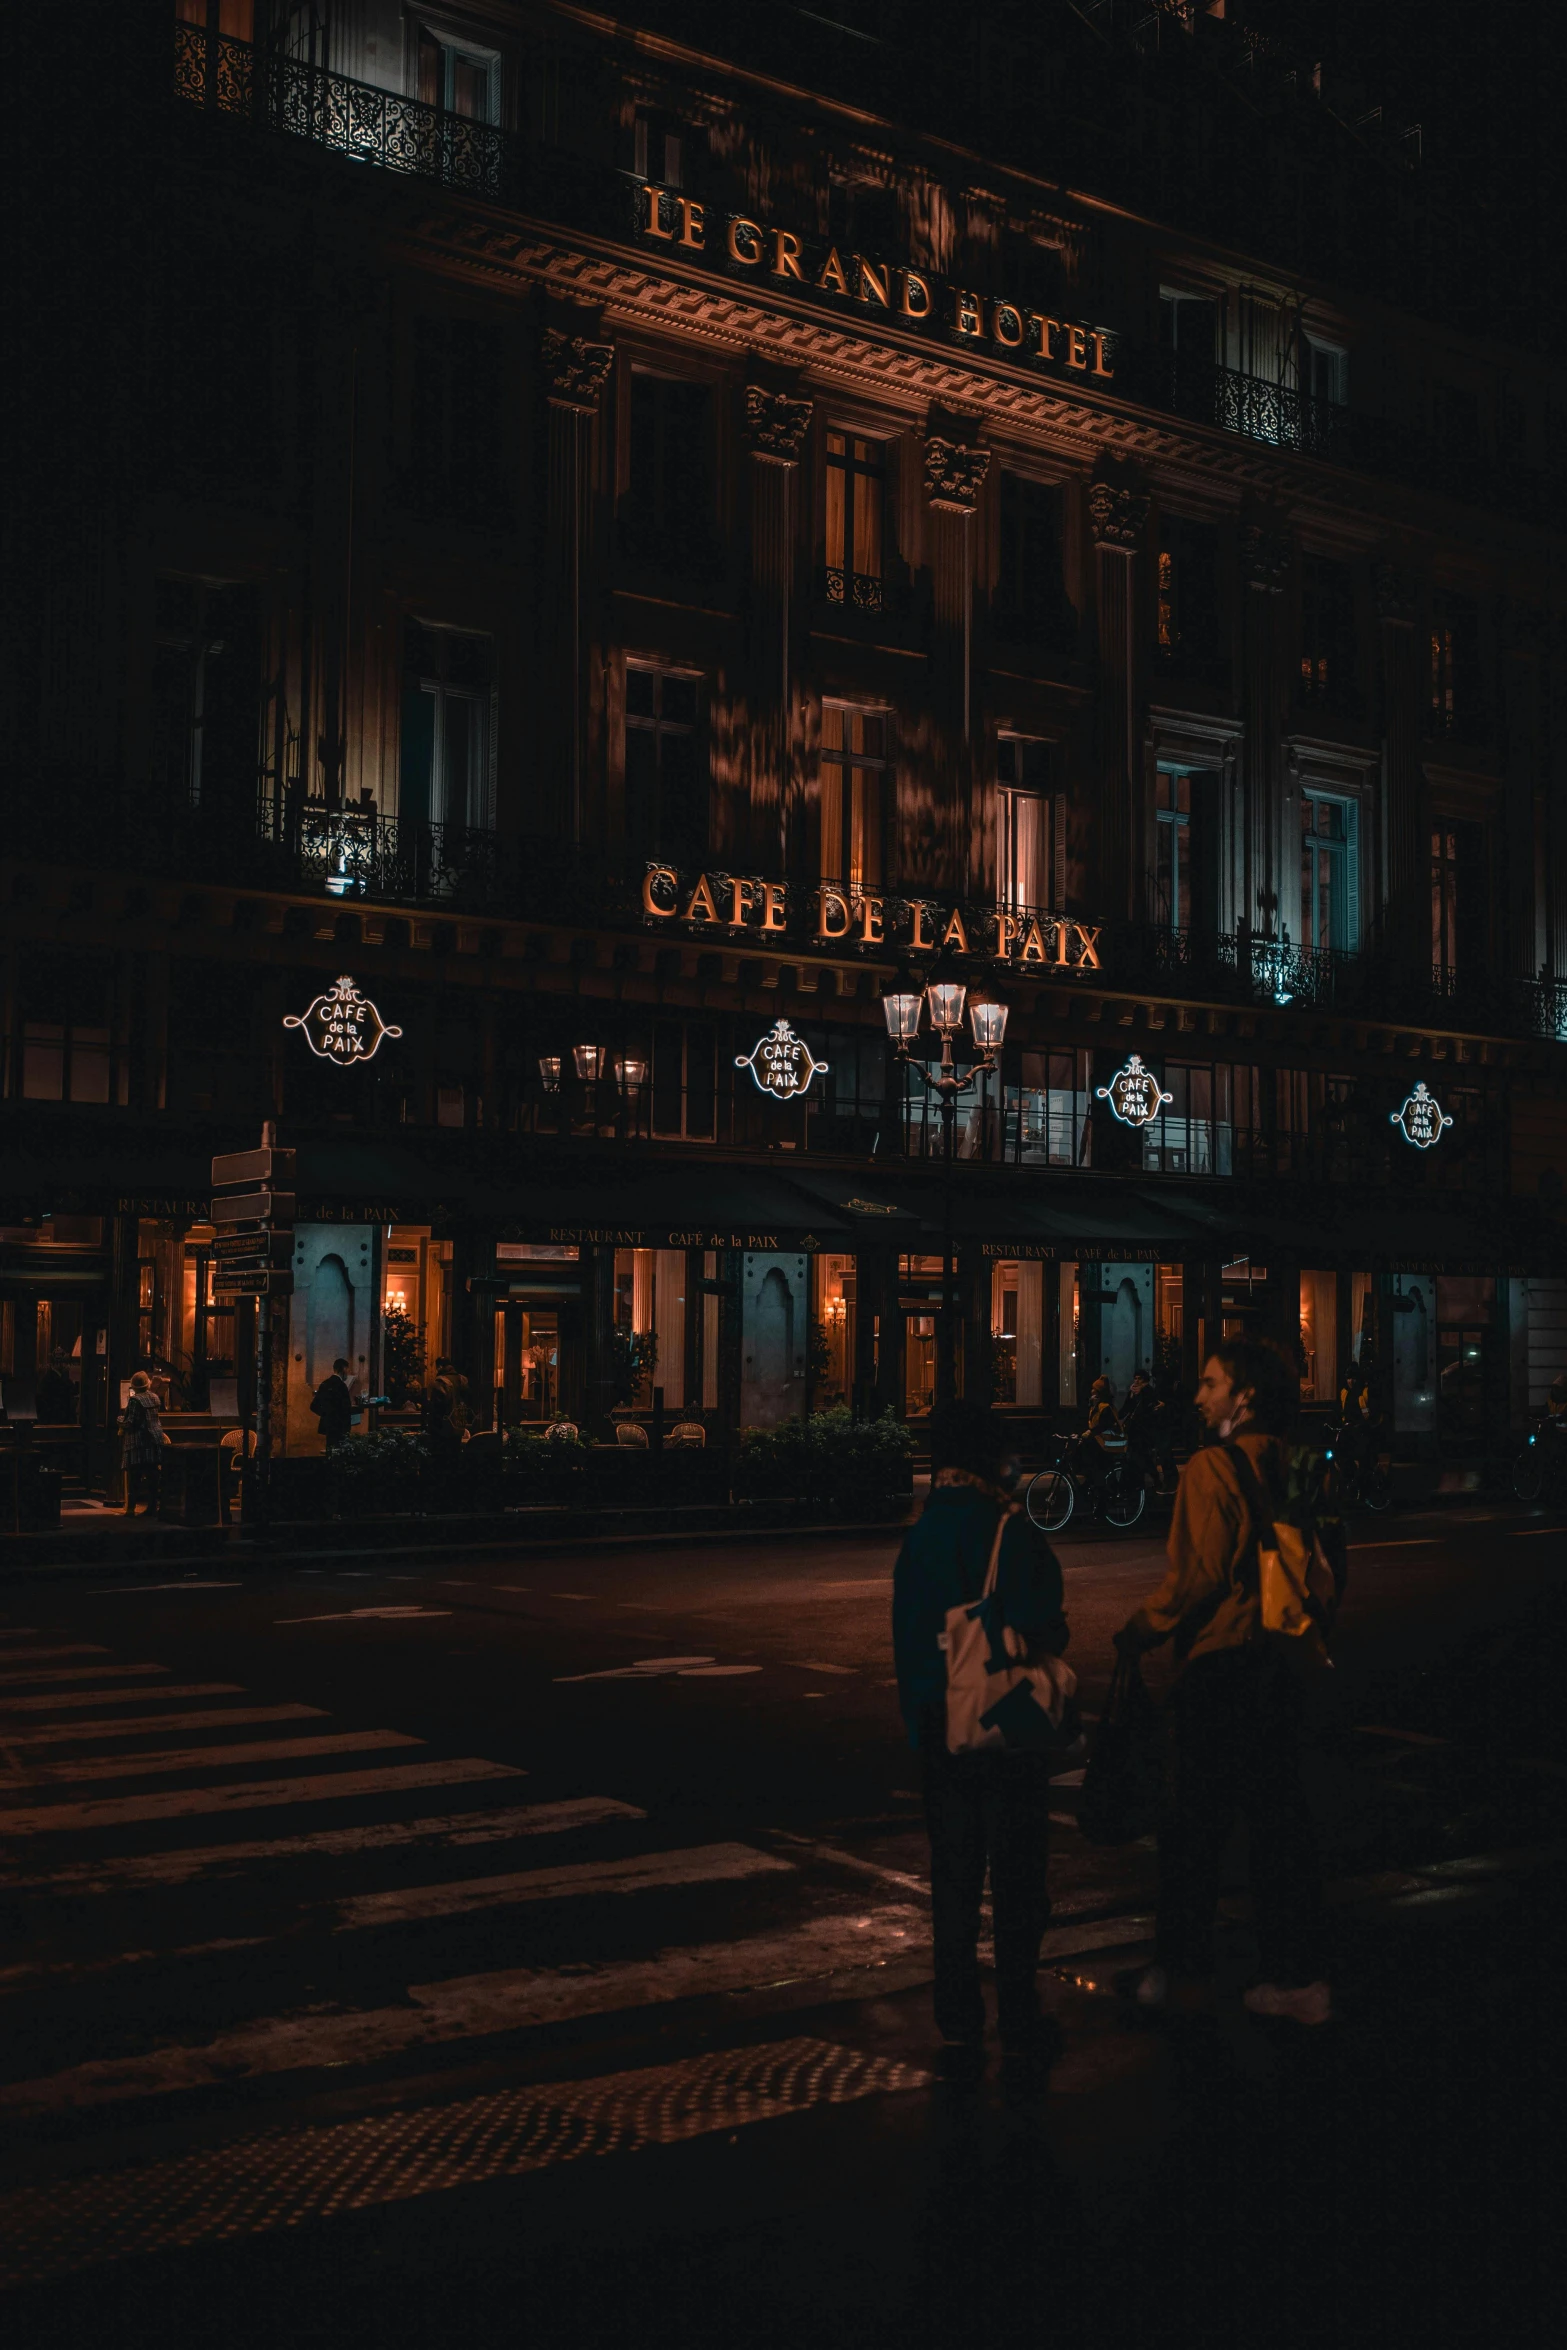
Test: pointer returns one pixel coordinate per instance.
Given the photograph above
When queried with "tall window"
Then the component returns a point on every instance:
(65, 1008)
(206, 695)
(1327, 372)
(1458, 889)
(1330, 882)
(1173, 851)
(855, 487)
(1048, 1122)
(1031, 589)
(454, 417)
(1454, 632)
(666, 796)
(853, 793)
(460, 79)
(1027, 857)
(446, 771)
(1187, 612)
(685, 1080)
(657, 150)
(669, 504)
(1194, 1131)
(1188, 329)
(1327, 632)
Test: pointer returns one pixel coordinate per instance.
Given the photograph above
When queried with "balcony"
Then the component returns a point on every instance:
(276, 93)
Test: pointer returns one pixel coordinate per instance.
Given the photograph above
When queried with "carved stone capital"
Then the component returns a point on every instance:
(775, 425)
(575, 371)
(954, 474)
(1395, 590)
(1265, 557)
(1119, 516)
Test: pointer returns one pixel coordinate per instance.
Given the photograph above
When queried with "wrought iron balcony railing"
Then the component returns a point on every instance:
(277, 93)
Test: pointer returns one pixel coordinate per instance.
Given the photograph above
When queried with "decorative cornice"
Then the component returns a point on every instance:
(954, 474)
(575, 370)
(1266, 556)
(1395, 589)
(1119, 516)
(775, 425)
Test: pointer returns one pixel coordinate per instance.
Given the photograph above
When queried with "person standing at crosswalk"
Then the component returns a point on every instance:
(988, 1810)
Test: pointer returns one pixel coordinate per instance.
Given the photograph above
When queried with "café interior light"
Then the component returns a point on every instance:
(549, 1071)
(590, 1061)
(902, 1015)
(989, 1023)
(945, 998)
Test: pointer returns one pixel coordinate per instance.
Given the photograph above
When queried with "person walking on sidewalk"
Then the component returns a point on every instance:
(1234, 1712)
(143, 1437)
(989, 1809)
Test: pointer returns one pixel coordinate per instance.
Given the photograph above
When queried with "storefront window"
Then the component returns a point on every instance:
(834, 1318)
(1319, 1380)
(1047, 1114)
(1194, 1134)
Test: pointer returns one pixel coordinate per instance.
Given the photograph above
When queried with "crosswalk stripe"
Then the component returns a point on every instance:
(472, 2007)
(119, 1811)
(49, 1656)
(701, 1864)
(454, 1830)
(168, 1693)
(76, 1772)
(140, 1725)
(82, 1673)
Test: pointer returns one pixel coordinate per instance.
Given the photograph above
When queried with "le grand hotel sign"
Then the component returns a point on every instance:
(917, 299)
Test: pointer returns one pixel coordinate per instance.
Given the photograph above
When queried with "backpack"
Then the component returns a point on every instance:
(1301, 1557)
(993, 1698)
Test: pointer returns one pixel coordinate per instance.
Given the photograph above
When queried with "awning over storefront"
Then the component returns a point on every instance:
(1514, 1237)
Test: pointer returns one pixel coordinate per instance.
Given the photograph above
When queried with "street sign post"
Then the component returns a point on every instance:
(253, 1206)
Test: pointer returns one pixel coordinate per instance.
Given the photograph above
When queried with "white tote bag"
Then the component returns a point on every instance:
(994, 1699)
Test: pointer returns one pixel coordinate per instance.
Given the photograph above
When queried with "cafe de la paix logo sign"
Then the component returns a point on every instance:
(739, 246)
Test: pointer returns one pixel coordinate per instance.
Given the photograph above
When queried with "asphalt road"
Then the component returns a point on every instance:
(534, 1949)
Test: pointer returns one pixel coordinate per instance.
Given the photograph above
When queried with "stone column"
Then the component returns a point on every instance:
(954, 477)
(1119, 517)
(1406, 874)
(1271, 863)
(575, 372)
(775, 429)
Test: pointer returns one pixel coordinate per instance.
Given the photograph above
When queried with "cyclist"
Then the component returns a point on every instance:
(1146, 1420)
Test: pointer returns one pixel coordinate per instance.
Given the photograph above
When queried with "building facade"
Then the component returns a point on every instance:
(572, 566)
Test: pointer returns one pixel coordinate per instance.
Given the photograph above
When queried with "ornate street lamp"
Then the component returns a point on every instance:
(549, 1072)
(943, 999)
(590, 1061)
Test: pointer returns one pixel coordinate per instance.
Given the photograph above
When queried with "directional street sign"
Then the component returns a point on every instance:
(228, 1281)
(243, 1168)
(254, 1207)
(252, 1248)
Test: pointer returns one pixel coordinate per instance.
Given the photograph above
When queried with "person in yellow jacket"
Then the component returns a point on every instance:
(1234, 1713)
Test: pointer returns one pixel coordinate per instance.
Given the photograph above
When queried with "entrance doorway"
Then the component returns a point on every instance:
(527, 1373)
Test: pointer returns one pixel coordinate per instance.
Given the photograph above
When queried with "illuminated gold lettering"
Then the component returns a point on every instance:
(650, 880)
(702, 896)
(1034, 944)
(691, 230)
(1099, 357)
(965, 312)
(1006, 325)
(740, 899)
(1047, 327)
(1007, 927)
(918, 942)
(786, 255)
(1061, 943)
(1077, 349)
(745, 241)
(832, 273)
(1088, 960)
(875, 284)
(833, 898)
(955, 934)
(914, 284)
(654, 224)
(772, 905)
(870, 922)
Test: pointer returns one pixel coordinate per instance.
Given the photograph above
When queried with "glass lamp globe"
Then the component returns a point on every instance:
(945, 997)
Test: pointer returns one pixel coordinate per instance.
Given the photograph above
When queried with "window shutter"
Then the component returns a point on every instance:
(1352, 875)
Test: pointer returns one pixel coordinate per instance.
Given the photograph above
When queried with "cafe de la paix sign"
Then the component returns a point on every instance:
(740, 907)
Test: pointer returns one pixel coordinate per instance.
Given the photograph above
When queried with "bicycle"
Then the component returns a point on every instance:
(1351, 1480)
(1119, 1495)
(1540, 1471)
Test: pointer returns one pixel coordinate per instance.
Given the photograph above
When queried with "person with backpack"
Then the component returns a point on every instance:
(1233, 1718)
(990, 1808)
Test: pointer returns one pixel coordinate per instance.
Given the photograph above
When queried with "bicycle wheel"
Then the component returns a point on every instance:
(1050, 1499)
(1529, 1474)
(1125, 1498)
(1377, 1489)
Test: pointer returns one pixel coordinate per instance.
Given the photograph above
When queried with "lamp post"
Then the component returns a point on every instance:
(943, 998)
